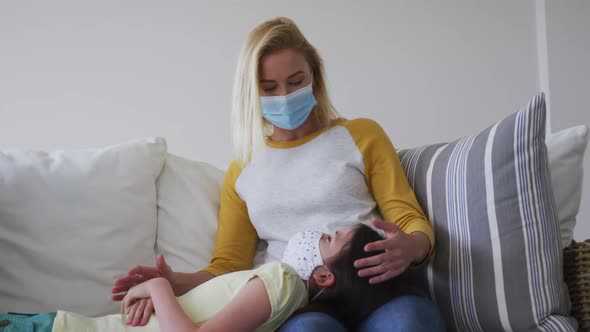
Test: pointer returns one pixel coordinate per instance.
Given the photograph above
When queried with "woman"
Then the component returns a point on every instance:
(299, 166)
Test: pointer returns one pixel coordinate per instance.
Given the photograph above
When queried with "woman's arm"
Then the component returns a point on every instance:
(249, 309)
(387, 181)
(184, 282)
(410, 240)
(181, 282)
(235, 243)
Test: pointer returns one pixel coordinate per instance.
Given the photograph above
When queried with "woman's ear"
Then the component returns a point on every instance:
(323, 278)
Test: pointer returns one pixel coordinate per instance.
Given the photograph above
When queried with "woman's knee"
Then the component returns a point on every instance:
(310, 322)
(405, 313)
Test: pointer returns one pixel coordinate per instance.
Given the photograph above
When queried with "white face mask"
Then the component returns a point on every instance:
(303, 253)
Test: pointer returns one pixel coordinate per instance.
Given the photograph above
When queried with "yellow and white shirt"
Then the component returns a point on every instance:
(325, 181)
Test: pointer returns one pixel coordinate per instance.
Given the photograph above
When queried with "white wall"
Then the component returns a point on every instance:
(568, 46)
(74, 74)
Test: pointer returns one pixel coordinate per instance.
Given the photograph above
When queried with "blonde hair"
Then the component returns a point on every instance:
(248, 125)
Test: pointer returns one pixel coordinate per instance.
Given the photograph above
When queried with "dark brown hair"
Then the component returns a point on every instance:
(352, 298)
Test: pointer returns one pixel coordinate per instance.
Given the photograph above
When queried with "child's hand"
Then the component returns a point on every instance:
(140, 312)
(136, 293)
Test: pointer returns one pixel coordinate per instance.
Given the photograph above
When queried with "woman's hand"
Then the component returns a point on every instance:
(140, 312)
(140, 274)
(401, 250)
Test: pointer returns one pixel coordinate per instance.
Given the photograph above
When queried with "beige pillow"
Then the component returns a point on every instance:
(188, 203)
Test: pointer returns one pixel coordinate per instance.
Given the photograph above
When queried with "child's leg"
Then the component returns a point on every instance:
(19, 322)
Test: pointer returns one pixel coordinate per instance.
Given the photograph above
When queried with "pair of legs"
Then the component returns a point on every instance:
(405, 313)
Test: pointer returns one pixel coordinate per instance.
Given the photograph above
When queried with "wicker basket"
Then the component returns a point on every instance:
(576, 268)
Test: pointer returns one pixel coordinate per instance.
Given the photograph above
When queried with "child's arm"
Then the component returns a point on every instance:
(171, 317)
(249, 309)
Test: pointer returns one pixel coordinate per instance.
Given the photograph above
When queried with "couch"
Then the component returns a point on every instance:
(71, 222)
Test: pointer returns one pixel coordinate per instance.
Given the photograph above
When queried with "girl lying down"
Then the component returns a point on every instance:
(315, 274)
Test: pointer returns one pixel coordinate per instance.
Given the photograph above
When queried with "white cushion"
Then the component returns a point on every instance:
(188, 203)
(565, 151)
(71, 222)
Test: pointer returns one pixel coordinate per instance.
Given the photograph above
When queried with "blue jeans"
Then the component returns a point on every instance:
(404, 313)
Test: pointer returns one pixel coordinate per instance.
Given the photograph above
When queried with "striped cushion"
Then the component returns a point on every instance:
(498, 261)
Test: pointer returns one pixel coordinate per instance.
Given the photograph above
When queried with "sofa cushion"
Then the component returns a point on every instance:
(188, 202)
(565, 151)
(71, 222)
(498, 259)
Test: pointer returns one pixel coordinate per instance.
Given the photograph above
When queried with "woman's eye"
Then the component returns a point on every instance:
(268, 89)
(295, 83)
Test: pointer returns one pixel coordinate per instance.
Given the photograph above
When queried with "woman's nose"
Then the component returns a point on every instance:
(282, 91)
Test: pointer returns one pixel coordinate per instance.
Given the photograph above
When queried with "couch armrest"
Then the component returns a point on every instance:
(576, 269)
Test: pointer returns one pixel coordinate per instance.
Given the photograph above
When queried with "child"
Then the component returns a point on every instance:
(315, 266)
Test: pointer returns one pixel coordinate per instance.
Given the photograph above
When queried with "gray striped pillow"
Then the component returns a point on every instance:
(498, 260)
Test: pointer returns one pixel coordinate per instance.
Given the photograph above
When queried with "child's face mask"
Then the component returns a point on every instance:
(303, 253)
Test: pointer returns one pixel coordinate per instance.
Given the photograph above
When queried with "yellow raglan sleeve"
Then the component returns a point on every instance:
(235, 242)
(386, 179)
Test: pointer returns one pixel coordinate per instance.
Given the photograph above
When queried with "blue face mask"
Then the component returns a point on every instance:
(290, 111)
